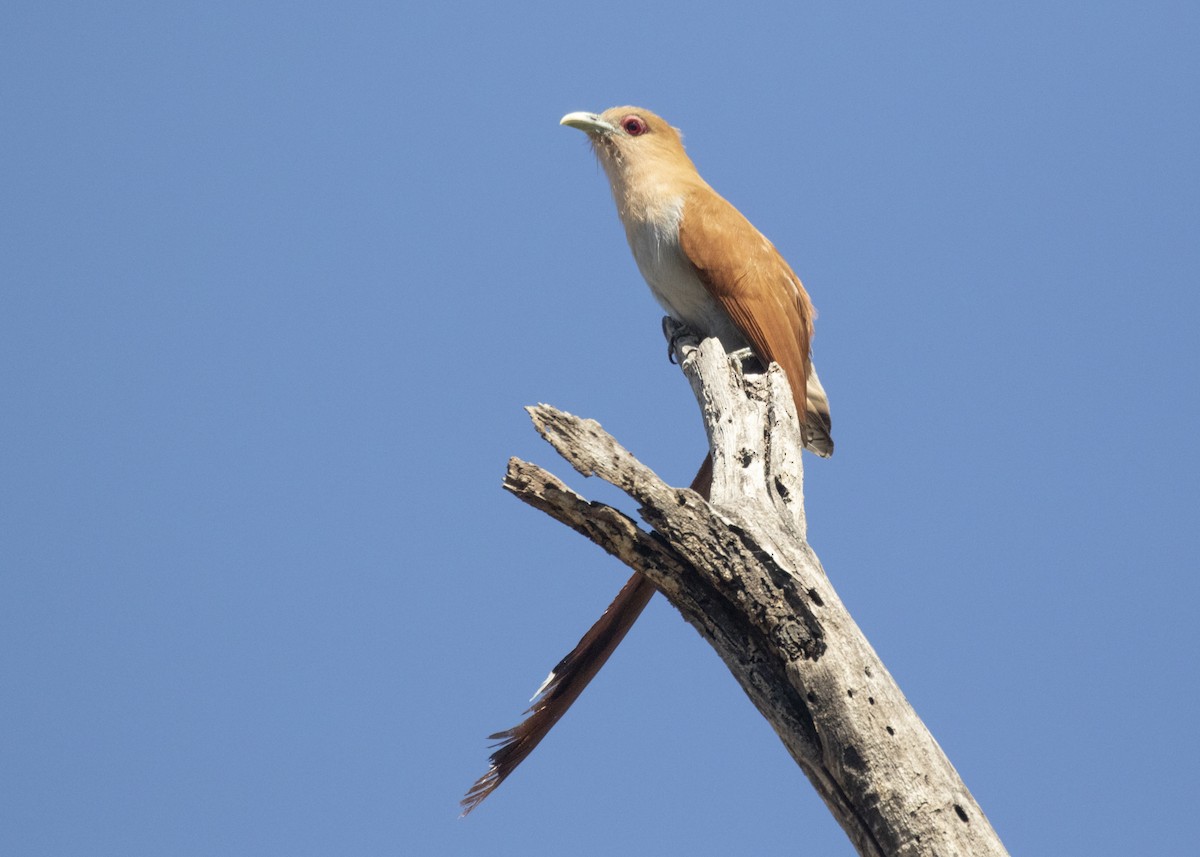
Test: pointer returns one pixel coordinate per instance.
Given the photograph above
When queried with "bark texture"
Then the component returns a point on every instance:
(741, 572)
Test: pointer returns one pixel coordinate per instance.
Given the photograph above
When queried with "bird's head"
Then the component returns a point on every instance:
(630, 138)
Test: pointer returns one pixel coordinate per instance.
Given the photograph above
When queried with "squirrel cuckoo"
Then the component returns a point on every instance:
(712, 270)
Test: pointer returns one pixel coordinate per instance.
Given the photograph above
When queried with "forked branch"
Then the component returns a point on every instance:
(741, 572)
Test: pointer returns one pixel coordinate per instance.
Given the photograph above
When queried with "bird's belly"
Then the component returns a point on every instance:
(675, 285)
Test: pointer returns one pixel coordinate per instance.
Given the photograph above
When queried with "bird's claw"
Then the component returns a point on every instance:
(674, 331)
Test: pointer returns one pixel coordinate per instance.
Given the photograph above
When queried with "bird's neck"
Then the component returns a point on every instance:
(649, 190)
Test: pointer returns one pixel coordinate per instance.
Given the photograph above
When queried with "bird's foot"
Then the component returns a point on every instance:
(675, 331)
(749, 360)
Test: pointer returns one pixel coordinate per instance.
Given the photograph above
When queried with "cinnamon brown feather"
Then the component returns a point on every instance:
(711, 269)
(572, 674)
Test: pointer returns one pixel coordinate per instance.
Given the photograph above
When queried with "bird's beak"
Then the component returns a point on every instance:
(589, 123)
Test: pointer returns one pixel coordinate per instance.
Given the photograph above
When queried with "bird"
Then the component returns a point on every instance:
(712, 270)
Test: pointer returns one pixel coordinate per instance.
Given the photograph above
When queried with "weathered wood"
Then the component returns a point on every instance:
(741, 572)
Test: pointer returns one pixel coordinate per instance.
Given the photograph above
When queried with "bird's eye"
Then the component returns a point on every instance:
(634, 126)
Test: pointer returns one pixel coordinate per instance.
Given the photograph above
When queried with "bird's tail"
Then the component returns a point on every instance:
(817, 422)
(572, 674)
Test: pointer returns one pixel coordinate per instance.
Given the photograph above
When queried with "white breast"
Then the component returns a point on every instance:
(673, 280)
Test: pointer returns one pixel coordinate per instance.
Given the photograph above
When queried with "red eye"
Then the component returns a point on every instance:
(634, 126)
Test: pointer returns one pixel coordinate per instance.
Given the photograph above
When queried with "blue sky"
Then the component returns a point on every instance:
(277, 279)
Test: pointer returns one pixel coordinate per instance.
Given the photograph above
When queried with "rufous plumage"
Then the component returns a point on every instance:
(712, 270)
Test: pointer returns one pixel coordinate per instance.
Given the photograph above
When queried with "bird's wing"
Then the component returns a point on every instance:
(744, 272)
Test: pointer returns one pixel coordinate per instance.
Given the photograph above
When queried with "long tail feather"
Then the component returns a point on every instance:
(572, 674)
(562, 687)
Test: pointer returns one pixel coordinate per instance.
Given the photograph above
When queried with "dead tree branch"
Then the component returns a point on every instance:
(741, 572)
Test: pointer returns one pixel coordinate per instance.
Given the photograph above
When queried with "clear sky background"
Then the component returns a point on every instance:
(276, 280)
